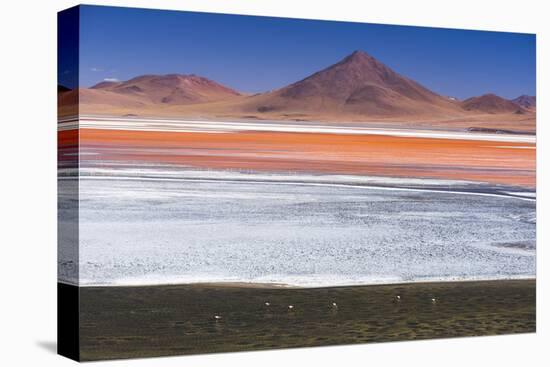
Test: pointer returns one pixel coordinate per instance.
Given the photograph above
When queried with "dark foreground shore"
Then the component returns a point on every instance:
(128, 322)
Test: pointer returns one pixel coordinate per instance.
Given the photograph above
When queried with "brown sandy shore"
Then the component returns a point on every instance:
(144, 321)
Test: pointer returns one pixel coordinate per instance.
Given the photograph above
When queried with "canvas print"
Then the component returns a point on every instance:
(234, 183)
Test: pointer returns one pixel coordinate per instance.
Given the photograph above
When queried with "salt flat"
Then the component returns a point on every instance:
(210, 227)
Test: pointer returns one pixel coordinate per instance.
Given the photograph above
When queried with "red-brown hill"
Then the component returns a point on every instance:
(491, 103)
(171, 89)
(358, 84)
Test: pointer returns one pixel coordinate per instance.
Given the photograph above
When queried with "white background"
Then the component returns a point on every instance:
(28, 183)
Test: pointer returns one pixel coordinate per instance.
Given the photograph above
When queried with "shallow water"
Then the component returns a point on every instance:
(130, 322)
(136, 230)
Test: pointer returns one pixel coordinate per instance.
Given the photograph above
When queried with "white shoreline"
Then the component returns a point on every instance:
(267, 182)
(211, 126)
(263, 284)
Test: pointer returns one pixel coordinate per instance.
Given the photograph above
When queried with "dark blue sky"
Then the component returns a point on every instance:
(255, 54)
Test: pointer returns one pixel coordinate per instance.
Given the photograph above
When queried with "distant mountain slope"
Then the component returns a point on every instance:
(171, 89)
(62, 89)
(525, 101)
(491, 103)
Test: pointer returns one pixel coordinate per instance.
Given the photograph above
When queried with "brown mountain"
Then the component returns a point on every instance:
(62, 89)
(358, 88)
(171, 89)
(525, 101)
(491, 103)
(106, 84)
(358, 84)
(67, 101)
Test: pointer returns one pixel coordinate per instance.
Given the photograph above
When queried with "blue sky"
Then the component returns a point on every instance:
(254, 54)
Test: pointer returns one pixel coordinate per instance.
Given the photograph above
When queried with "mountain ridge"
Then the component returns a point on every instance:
(172, 89)
(356, 88)
(491, 103)
(526, 101)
